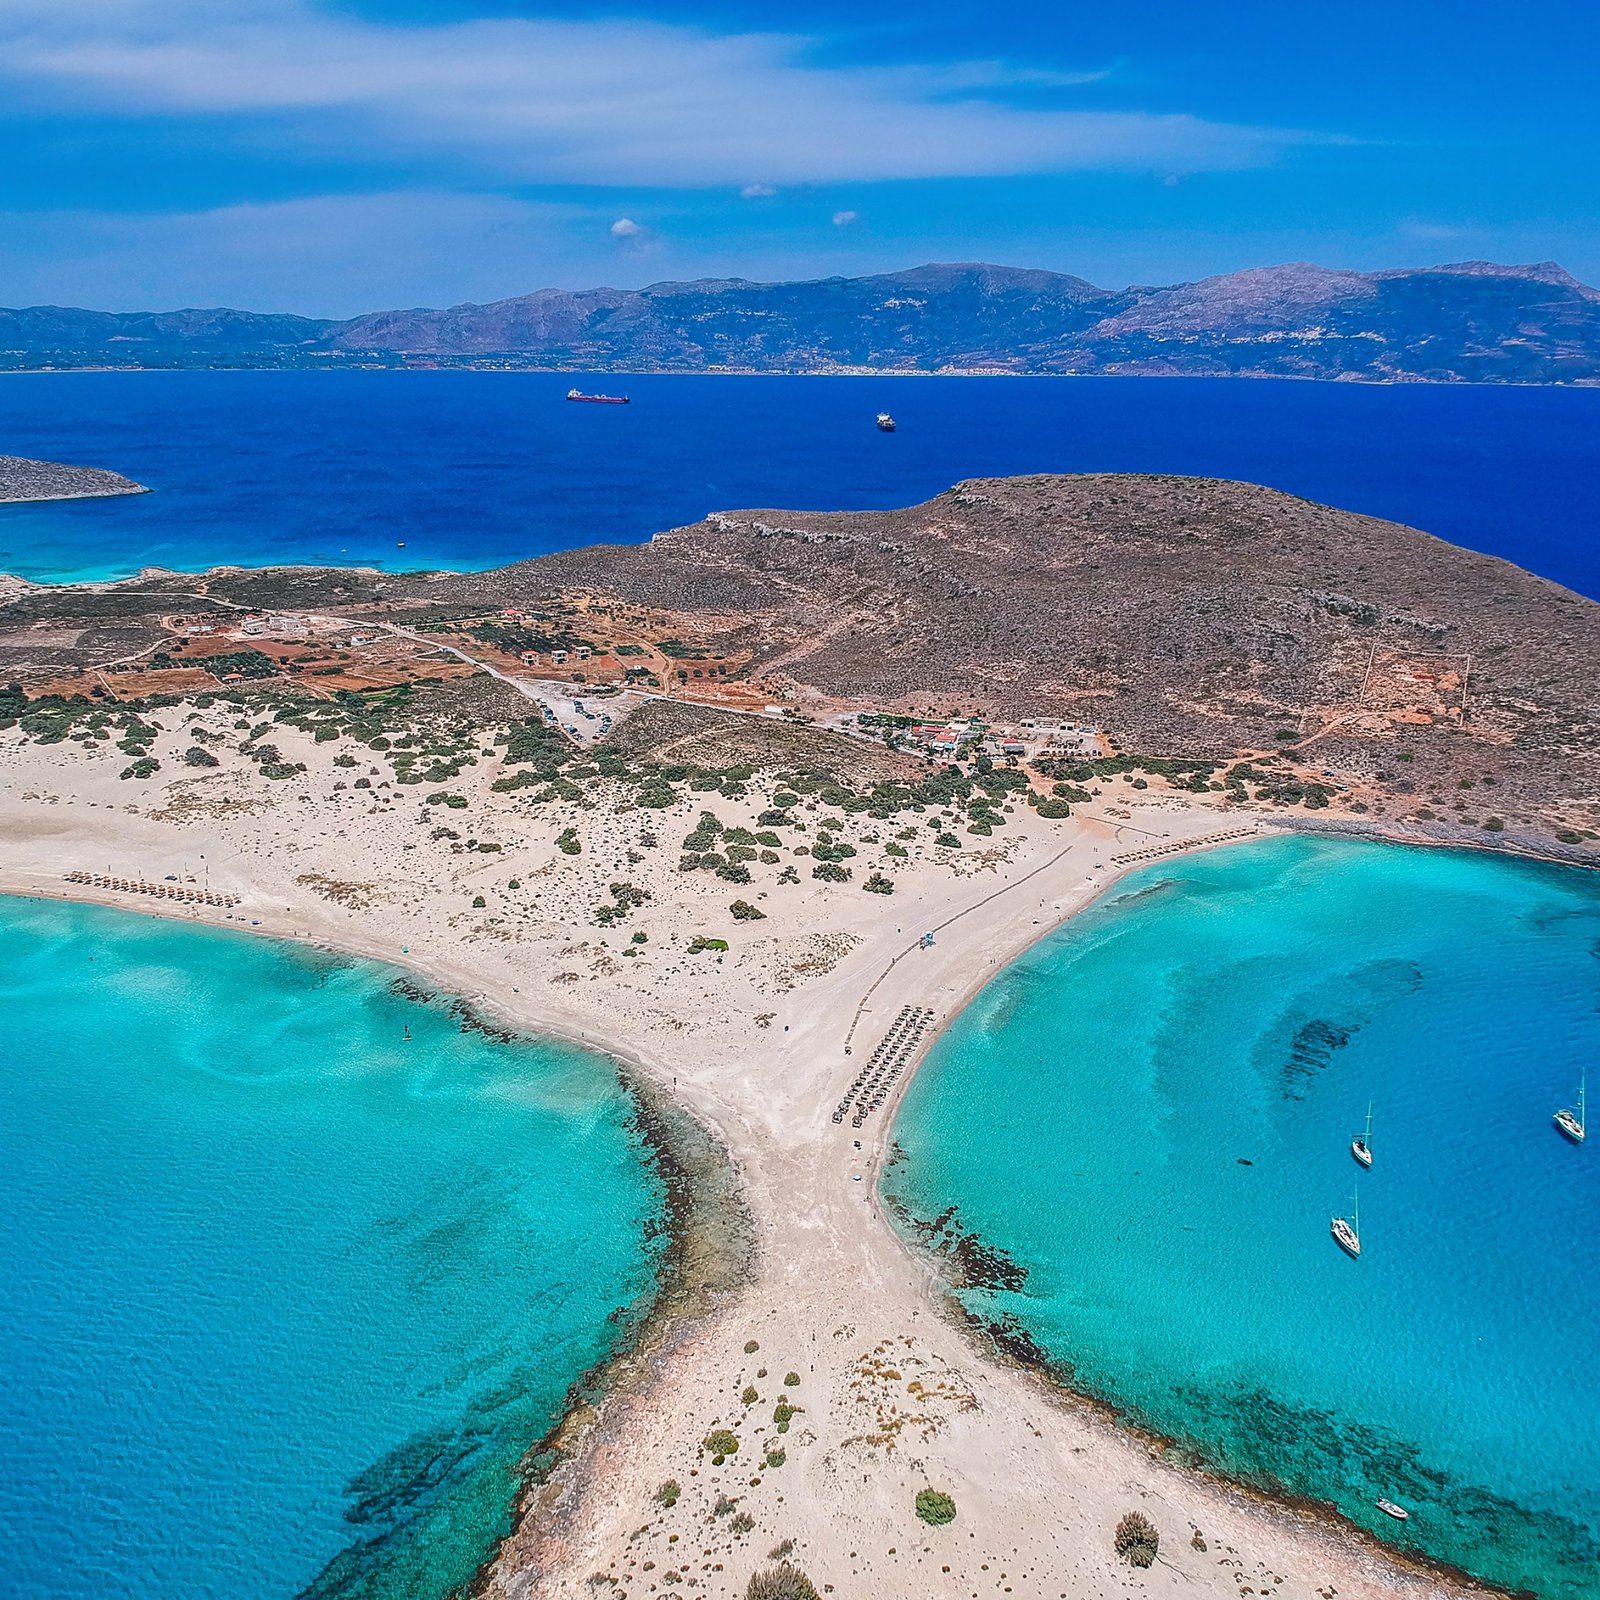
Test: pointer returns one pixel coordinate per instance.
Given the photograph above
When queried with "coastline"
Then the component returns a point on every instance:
(1006, 1341)
(708, 1250)
(708, 1258)
(560, 1520)
(77, 494)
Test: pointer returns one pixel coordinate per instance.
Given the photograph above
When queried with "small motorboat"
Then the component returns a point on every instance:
(886, 423)
(1390, 1509)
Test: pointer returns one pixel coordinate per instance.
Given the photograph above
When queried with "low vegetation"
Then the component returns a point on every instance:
(782, 1582)
(1136, 1540)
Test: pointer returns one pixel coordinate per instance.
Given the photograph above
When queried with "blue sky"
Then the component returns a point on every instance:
(333, 158)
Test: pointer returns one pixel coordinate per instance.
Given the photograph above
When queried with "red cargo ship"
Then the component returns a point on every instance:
(597, 399)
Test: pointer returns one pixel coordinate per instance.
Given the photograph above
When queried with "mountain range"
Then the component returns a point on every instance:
(1473, 321)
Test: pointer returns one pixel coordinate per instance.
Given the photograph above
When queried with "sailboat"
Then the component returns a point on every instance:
(1573, 1123)
(1361, 1145)
(1347, 1232)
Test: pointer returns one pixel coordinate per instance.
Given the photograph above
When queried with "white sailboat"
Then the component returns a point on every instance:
(1574, 1123)
(1347, 1231)
(1361, 1145)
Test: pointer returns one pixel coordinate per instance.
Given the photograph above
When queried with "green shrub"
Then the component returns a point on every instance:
(668, 1493)
(568, 843)
(791, 1380)
(781, 1582)
(655, 792)
(743, 911)
(144, 767)
(948, 841)
(935, 1507)
(720, 1442)
(750, 1347)
(878, 884)
(194, 756)
(750, 1396)
(478, 902)
(701, 942)
(1136, 1539)
(830, 872)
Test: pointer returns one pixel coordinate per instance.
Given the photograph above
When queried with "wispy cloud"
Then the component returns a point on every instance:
(757, 191)
(603, 102)
(843, 219)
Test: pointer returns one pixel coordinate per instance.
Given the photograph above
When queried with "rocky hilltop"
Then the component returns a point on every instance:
(1190, 618)
(1219, 634)
(1473, 321)
(22, 479)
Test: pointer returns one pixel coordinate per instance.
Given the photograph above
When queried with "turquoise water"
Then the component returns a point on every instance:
(286, 1297)
(1145, 1124)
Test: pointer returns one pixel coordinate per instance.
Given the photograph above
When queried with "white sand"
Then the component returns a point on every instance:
(895, 1398)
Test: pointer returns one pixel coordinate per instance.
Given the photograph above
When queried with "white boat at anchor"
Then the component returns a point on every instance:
(1361, 1145)
(1390, 1509)
(1574, 1124)
(1346, 1231)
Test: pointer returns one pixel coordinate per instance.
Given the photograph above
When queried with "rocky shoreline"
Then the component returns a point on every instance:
(708, 1256)
(23, 480)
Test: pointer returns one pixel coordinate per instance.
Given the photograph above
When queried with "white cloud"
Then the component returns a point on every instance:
(626, 228)
(843, 219)
(597, 102)
(757, 191)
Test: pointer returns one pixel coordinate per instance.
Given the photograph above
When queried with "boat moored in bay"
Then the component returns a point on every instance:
(1574, 1124)
(1347, 1230)
(1361, 1145)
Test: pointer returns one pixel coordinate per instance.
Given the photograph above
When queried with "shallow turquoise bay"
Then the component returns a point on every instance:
(287, 1297)
(1150, 1113)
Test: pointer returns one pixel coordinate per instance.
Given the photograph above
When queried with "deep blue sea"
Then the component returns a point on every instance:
(285, 1297)
(477, 469)
(1151, 1114)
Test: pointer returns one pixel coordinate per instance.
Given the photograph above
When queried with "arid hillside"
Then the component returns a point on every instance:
(1189, 617)
(1286, 645)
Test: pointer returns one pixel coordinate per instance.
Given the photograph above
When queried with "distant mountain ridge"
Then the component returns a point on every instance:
(1471, 321)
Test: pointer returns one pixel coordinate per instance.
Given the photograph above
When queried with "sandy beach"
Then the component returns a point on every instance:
(891, 1394)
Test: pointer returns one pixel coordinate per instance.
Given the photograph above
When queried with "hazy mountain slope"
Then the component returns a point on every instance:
(1472, 321)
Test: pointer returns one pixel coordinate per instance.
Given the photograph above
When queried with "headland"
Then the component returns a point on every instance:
(24, 480)
(698, 804)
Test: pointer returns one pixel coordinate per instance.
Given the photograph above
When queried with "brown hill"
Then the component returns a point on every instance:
(1188, 617)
